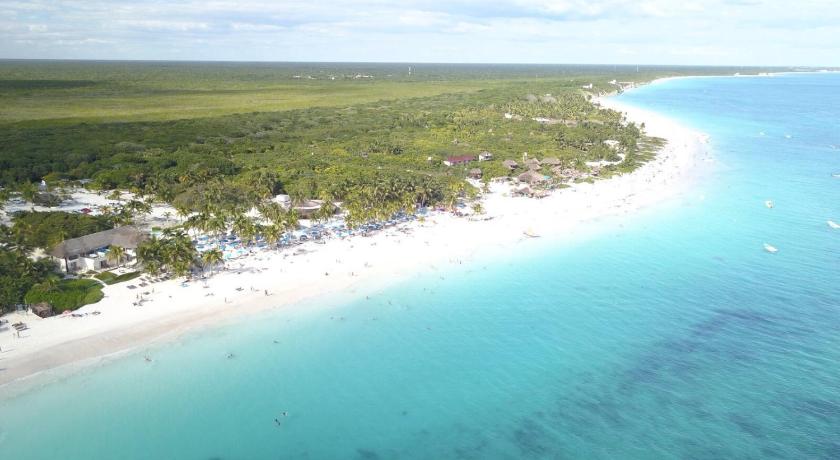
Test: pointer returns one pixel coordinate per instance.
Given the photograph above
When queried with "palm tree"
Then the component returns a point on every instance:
(150, 254)
(212, 258)
(264, 182)
(327, 208)
(197, 222)
(271, 211)
(50, 284)
(115, 254)
(244, 227)
(272, 233)
(179, 252)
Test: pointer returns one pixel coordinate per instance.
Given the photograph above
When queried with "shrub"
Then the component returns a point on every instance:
(66, 294)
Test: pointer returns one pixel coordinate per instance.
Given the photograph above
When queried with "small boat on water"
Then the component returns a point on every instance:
(836, 175)
(833, 224)
(530, 233)
(770, 249)
(769, 204)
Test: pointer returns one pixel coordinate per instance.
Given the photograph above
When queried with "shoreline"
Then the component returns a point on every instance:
(59, 345)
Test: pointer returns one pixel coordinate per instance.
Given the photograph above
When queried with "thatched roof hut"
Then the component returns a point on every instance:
(531, 177)
(522, 191)
(551, 161)
(566, 173)
(510, 164)
(533, 163)
(43, 309)
(127, 237)
(475, 173)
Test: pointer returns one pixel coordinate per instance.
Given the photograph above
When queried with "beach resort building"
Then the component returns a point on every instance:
(305, 209)
(531, 177)
(308, 208)
(458, 160)
(88, 253)
(533, 163)
(510, 164)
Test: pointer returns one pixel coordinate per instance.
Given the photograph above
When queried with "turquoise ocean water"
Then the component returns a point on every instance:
(670, 334)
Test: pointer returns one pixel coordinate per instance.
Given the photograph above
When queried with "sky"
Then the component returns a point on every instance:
(680, 32)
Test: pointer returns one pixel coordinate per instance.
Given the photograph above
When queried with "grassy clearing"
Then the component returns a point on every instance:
(99, 103)
(110, 278)
(66, 294)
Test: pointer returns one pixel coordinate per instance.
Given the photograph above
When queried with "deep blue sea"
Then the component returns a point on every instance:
(669, 334)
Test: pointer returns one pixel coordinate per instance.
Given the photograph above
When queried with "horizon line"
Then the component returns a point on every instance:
(229, 61)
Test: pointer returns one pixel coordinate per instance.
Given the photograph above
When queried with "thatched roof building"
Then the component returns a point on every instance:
(475, 173)
(566, 173)
(551, 161)
(43, 309)
(533, 163)
(531, 177)
(510, 164)
(127, 237)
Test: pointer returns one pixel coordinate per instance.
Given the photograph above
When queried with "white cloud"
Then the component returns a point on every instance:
(250, 27)
(646, 31)
(156, 24)
(423, 18)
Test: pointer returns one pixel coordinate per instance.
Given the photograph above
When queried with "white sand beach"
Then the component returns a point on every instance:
(354, 265)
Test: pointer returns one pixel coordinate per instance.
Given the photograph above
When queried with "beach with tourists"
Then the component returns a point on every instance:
(134, 314)
(460, 230)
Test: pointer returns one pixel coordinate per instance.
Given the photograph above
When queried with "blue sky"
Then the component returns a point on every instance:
(713, 32)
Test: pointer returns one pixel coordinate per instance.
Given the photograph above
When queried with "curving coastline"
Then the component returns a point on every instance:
(354, 266)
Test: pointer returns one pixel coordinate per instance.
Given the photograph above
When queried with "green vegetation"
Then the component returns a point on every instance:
(46, 229)
(111, 278)
(217, 139)
(174, 253)
(18, 274)
(66, 294)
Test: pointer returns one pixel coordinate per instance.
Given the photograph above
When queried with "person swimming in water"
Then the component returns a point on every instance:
(276, 421)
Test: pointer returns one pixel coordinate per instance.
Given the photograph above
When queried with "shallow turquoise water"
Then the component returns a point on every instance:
(671, 334)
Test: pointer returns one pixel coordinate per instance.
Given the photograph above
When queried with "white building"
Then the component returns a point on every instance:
(88, 252)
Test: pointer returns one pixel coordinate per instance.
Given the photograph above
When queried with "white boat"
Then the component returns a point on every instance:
(836, 175)
(530, 233)
(770, 249)
(833, 224)
(769, 204)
